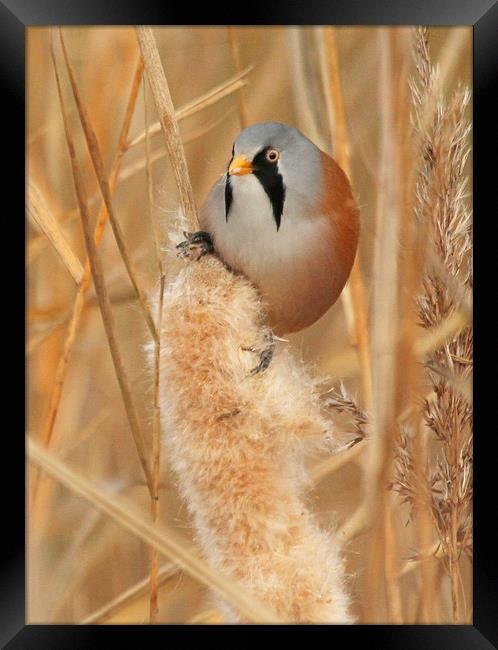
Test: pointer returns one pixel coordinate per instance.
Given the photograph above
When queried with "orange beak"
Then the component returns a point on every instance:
(239, 166)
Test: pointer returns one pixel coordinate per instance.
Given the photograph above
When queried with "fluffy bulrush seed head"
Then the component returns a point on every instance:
(236, 442)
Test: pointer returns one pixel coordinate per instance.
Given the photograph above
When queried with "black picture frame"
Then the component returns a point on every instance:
(15, 17)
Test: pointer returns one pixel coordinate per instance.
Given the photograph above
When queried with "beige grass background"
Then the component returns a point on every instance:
(79, 559)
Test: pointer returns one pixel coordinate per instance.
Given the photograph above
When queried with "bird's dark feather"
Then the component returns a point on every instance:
(268, 175)
(228, 196)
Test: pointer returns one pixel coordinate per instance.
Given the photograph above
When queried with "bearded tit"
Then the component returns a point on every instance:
(283, 215)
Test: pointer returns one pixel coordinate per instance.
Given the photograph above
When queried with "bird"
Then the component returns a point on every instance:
(284, 215)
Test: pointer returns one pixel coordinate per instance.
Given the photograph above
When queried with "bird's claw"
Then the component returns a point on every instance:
(264, 361)
(265, 354)
(196, 245)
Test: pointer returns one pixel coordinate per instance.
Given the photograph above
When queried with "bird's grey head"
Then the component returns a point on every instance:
(286, 164)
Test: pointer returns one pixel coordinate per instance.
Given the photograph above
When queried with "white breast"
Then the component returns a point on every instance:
(292, 267)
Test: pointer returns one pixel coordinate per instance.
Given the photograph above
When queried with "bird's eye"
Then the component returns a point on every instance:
(272, 155)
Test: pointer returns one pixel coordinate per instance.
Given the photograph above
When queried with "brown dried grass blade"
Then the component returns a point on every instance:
(44, 220)
(101, 291)
(160, 537)
(166, 111)
(98, 165)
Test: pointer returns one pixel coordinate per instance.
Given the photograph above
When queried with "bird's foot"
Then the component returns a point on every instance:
(265, 353)
(196, 245)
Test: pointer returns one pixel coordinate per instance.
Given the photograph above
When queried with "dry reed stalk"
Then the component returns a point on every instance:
(78, 306)
(160, 537)
(383, 346)
(241, 94)
(441, 194)
(166, 111)
(228, 87)
(337, 123)
(41, 216)
(359, 520)
(440, 205)
(137, 590)
(448, 415)
(236, 442)
(156, 432)
(305, 100)
(413, 241)
(100, 288)
(346, 296)
(99, 168)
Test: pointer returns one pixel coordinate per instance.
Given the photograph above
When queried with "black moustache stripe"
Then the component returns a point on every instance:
(274, 187)
(268, 175)
(271, 180)
(228, 196)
